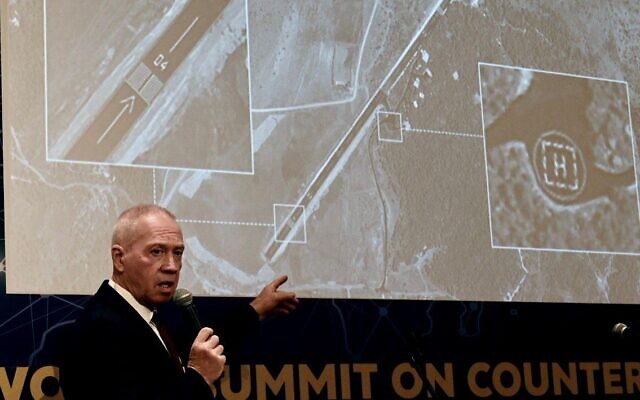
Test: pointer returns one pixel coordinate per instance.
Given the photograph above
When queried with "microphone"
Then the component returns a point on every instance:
(621, 330)
(184, 300)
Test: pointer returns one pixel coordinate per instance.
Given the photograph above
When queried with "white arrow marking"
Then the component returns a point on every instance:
(128, 103)
(183, 35)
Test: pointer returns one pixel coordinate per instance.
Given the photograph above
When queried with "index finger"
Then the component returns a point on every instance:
(276, 283)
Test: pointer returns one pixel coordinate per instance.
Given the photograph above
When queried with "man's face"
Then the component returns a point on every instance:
(149, 266)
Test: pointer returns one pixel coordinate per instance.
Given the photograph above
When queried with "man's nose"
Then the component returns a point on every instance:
(171, 264)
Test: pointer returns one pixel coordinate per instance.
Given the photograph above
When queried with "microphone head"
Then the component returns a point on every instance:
(182, 297)
(620, 329)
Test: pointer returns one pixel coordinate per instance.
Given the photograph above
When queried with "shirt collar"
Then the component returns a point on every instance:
(144, 312)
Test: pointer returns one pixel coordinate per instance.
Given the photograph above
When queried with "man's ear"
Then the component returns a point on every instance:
(117, 254)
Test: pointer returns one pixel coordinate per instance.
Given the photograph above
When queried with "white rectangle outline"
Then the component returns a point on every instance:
(378, 124)
(633, 146)
(304, 223)
(549, 72)
(143, 166)
(486, 163)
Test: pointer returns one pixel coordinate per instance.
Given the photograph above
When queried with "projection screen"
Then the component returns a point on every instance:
(418, 149)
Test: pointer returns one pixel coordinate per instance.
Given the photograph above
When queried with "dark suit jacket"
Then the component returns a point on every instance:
(114, 354)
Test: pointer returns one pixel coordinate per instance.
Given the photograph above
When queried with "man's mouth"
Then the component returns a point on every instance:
(166, 285)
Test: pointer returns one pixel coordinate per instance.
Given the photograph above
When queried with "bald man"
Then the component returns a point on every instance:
(122, 346)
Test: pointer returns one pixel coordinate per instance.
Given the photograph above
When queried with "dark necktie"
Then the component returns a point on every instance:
(168, 342)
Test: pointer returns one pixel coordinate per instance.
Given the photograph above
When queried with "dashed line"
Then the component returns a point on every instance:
(449, 133)
(218, 222)
(154, 187)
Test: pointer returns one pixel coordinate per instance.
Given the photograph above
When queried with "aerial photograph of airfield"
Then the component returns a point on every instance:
(422, 149)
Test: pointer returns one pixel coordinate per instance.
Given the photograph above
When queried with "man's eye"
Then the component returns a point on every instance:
(156, 252)
(179, 253)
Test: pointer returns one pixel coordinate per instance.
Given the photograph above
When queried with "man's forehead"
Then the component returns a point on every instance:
(159, 227)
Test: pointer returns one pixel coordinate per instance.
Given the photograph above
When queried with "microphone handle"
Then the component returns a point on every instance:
(192, 316)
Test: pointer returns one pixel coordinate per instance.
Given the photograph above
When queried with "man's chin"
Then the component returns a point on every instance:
(166, 296)
(162, 297)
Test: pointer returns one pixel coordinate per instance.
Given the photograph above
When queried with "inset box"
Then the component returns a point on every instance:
(138, 98)
(389, 126)
(560, 161)
(289, 221)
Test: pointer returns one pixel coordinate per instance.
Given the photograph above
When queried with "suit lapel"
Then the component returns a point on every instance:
(132, 323)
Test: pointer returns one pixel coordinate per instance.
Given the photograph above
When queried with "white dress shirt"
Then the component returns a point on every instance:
(143, 311)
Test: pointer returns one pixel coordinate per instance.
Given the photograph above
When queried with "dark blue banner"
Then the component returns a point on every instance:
(362, 349)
